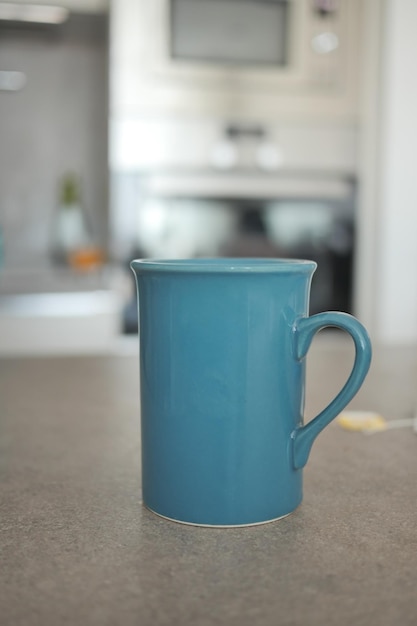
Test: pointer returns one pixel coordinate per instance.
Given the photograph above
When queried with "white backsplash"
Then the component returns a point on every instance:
(56, 123)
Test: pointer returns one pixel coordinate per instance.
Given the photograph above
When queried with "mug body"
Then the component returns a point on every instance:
(221, 388)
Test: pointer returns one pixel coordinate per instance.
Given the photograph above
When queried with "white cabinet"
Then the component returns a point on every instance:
(59, 323)
(60, 312)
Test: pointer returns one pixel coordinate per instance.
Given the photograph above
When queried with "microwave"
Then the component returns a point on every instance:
(259, 33)
(238, 56)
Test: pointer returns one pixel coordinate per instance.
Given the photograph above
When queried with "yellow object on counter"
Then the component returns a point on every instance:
(362, 421)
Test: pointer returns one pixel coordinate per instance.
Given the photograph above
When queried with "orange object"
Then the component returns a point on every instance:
(86, 259)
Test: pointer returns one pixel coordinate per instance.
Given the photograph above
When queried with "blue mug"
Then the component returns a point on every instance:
(222, 377)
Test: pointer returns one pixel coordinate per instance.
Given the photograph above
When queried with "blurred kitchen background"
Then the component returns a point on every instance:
(185, 128)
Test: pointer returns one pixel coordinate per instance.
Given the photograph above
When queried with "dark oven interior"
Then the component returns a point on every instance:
(320, 229)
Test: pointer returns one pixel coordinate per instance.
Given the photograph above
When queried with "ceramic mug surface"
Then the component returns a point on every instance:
(222, 366)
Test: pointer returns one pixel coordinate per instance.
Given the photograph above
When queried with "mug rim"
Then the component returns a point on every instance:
(225, 265)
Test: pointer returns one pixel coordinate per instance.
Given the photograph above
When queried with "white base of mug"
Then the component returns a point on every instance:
(178, 521)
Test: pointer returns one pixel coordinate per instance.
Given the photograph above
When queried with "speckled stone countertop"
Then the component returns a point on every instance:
(77, 547)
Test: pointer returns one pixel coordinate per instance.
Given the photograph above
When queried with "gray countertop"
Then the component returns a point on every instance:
(77, 547)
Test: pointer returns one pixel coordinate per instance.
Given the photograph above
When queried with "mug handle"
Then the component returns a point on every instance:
(304, 330)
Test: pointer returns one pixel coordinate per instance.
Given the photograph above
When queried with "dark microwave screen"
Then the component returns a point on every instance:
(230, 31)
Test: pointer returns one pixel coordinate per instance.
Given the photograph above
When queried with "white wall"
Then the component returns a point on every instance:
(396, 269)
